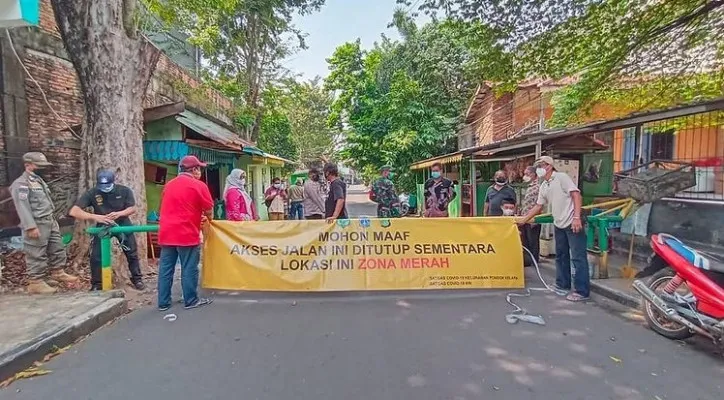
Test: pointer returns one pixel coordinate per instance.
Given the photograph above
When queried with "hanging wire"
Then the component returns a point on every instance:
(42, 92)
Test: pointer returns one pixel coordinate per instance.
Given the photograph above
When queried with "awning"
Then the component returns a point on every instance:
(253, 151)
(216, 132)
(499, 159)
(444, 159)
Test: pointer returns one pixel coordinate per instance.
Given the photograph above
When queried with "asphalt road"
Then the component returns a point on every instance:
(380, 346)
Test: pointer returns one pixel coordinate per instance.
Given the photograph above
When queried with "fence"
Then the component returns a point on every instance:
(696, 139)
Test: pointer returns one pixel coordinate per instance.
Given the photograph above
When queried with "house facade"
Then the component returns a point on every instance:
(691, 134)
(30, 123)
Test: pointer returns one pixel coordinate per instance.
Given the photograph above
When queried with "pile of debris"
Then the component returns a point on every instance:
(14, 279)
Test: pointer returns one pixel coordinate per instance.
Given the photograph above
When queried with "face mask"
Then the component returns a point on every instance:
(435, 174)
(242, 181)
(277, 185)
(541, 172)
(507, 212)
(527, 179)
(108, 189)
(501, 181)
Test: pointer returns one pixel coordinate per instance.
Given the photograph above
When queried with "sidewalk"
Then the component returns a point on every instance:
(33, 326)
(615, 288)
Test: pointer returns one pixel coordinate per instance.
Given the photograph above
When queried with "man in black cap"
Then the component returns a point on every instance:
(112, 204)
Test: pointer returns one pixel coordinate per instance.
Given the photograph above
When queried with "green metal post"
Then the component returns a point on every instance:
(106, 267)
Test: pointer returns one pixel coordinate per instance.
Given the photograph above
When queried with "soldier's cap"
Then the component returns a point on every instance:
(36, 158)
(385, 168)
(545, 159)
(105, 179)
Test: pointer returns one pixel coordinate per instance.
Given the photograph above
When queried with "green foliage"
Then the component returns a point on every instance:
(275, 135)
(244, 42)
(307, 105)
(401, 102)
(669, 47)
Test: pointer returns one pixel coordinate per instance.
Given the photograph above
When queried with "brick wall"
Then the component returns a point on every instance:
(43, 54)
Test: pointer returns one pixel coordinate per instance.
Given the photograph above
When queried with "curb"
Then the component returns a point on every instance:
(616, 295)
(597, 287)
(23, 357)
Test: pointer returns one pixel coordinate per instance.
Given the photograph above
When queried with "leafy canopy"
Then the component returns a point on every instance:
(674, 48)
(401, 101)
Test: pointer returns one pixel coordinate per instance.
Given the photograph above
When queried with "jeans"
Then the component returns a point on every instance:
(296, 210)
(134, 264)
(571, 247)
(189, 258)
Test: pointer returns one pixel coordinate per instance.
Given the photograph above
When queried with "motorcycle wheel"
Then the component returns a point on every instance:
(655, 319)
(404, 210)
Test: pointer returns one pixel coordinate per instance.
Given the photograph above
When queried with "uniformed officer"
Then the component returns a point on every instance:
(111, 204)
(383, 193)
(42, 243)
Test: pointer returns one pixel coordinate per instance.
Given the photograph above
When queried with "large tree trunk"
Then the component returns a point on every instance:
(114, 66)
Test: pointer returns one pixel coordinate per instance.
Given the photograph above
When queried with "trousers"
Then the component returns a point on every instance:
(45, 253)
(571, 247)
(189, 257)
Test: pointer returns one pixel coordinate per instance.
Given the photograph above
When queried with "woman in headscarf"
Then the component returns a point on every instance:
(238, 202)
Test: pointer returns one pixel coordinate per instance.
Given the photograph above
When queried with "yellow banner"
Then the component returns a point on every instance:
(367, 254)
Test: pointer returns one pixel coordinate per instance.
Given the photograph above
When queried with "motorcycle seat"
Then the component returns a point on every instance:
(699, 259)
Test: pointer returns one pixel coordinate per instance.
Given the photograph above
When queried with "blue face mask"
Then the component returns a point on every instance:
(108, 189)
(435, 174)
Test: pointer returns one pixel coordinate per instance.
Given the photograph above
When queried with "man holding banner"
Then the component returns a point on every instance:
(559, 190)
(185, 202)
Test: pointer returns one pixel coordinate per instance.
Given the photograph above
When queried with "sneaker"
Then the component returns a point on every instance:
(96, 288)
(199, 303)
(60, 276)
(139, 285)
(163, 308)
(38, 286)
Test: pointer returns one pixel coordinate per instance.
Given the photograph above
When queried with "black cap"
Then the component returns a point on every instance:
(105, 179)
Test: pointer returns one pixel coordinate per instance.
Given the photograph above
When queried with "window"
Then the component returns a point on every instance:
(662, 145)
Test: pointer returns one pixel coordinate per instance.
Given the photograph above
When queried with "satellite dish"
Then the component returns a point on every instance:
(18, 13)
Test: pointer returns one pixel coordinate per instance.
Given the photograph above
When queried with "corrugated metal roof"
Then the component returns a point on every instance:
(216, 132)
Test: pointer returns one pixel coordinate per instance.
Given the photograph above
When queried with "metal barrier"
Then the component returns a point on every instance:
(106, 267)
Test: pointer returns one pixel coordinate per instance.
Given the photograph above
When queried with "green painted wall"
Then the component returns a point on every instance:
(153, 190)
(164, 129)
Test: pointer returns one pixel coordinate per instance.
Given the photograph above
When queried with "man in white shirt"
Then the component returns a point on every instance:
(558, 190)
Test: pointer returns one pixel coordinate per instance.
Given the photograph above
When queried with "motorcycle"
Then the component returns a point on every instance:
(404, 202)
(685, 293)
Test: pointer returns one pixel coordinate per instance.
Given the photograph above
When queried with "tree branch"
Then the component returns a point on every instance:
(129, 18)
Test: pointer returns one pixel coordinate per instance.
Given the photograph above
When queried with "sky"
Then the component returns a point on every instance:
(339, 21)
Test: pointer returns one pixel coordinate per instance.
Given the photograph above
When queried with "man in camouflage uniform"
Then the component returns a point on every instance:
(383, 193)
(42, 243)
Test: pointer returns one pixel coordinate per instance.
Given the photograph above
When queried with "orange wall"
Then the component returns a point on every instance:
(617, 150)
(697, 143)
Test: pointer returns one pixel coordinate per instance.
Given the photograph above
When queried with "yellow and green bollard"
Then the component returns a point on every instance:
(106, 249)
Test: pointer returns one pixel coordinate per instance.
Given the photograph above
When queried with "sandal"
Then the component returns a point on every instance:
(575, 297)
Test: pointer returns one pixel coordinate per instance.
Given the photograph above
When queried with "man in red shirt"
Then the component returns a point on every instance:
(185, 203)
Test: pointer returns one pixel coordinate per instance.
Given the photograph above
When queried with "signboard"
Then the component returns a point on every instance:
(367, 254)
(16, 13)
